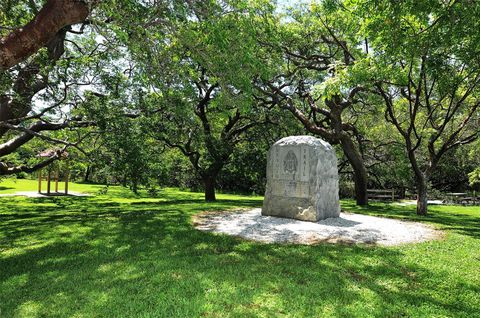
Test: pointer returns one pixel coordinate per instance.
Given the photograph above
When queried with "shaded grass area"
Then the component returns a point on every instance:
(117, 255)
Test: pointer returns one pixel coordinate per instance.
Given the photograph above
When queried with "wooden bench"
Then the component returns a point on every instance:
(381, 195)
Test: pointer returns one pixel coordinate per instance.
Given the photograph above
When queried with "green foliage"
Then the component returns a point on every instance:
(144, 59)
(177, 171)
(474, 177)
(201, 101)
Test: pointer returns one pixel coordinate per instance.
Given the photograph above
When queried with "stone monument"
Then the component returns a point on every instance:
(302, 180)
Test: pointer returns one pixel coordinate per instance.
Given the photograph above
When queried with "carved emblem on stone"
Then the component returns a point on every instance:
(290, 162)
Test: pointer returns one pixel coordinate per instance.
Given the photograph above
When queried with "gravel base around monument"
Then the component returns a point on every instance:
(348, 228)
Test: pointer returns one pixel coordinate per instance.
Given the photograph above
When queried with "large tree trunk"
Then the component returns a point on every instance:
(209, 183)
(359, 171)
(87, 174)
(47, 29)
(25, 41)
(422, 194)
(338, 134)
(134, 186)
(421, 180)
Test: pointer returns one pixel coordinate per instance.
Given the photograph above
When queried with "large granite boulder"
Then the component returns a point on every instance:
(302, 180)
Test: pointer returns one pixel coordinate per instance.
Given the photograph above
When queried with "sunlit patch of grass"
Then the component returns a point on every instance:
(123, 255)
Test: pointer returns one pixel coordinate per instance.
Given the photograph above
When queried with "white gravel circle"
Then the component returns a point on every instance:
(348, 228)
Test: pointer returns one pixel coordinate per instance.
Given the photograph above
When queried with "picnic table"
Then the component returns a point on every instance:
(463, 198)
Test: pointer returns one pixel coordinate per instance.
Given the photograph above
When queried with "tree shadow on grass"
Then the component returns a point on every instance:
(131, 263)
(202, 202)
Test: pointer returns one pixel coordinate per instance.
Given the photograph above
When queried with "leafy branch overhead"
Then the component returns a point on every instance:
(123, 83)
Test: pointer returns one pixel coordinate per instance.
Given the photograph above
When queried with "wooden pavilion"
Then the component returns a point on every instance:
(54, 168)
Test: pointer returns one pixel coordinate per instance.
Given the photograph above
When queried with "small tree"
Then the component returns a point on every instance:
(474, 178)
(427, 71)
(206, 129)
(201, 81)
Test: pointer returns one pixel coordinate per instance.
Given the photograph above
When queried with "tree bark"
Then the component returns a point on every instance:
(422, 194)
(48, 29)
(421, 179)
(88, 171)
(25, 41)
(39, 126)
(359, 171)
(209, 183)
(6, 170)
(134, 186)
(336, 134)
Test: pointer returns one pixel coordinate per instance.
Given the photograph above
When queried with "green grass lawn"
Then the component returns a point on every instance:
(121, 255)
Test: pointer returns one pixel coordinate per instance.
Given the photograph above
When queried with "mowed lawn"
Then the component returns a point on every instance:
(121, 255)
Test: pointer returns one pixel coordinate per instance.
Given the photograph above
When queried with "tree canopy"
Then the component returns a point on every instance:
(145, 88)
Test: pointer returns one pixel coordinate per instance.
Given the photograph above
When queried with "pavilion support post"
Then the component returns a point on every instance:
(56, 179)
(48, 181)
(66, 179)
(40, 181)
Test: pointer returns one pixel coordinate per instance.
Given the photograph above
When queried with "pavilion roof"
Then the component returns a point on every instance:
(51, 152)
